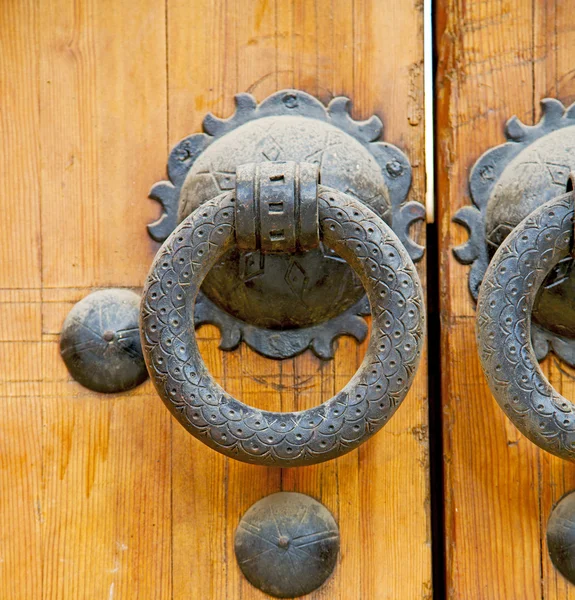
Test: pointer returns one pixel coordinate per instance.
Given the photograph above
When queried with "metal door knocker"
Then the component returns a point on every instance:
(521, 248)
(282, 215)
(506, 184)
(236, 219)
(283, 225)
(254, 293)
(506, 299)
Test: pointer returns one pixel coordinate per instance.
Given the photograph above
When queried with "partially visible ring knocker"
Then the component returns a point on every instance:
(504, 306)
(522, 250)
(283, 225)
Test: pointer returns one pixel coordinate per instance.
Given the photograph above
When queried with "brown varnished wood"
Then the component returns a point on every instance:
(496, 59)
(85, 509)
(106, 496)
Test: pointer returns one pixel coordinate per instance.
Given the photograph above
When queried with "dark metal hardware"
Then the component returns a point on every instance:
(100, 341)
(506, 184)
(276, 301)
(521, 254)
(285, 263)
(506, 300)
(248, 434)
(287, 544)
(561, 536)
(276, 207)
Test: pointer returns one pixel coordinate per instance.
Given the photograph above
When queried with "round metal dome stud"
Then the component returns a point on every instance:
(561, 536)
(287, 544)
(100, 341)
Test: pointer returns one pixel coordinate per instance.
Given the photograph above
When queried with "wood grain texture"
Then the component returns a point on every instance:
(105, 505)
(106, 496)
(496, 59)
(20, 310)
(325, 48)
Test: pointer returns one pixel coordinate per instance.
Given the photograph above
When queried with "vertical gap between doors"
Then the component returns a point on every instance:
(436, 476)
(436, 473)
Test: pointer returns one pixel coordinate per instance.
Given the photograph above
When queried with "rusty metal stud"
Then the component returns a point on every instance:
(561, 536)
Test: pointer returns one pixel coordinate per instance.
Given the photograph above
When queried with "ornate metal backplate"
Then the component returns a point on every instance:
(282, 304)
(287, 544)
(506, 184)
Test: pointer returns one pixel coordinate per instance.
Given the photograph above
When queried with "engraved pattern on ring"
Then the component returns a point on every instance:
(258, 436)
(503, 327)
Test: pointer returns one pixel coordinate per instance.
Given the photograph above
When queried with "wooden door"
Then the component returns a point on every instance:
(495, 59)
(106, 496)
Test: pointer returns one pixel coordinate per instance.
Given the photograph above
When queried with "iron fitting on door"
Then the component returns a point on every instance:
(521, 251)
(284, 225)
(344, 225)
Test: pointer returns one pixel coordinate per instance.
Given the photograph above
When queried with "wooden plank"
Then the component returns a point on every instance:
(371, 51)
(495, 60)
(205, 70)
(19, 168)
(104, 496)
(20, 316)
(554, 37)
(106, 460)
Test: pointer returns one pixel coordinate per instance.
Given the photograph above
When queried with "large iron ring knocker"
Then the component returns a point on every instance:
(257, 436)
(505, 302)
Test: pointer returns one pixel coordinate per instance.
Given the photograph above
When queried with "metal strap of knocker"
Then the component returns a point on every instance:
(506, 299)
(280, 207)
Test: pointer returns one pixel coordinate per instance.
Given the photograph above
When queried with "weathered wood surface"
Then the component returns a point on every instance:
(496, 59)
(105, 496)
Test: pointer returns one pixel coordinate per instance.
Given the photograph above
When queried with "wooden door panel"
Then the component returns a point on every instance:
(20, 308)
(495, 59)
(107, 496)
(260, 49)
(105, 501)
(86, 502)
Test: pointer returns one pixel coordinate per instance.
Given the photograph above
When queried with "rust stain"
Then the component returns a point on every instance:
(66, 440)
(261, 9)
(99, 441)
